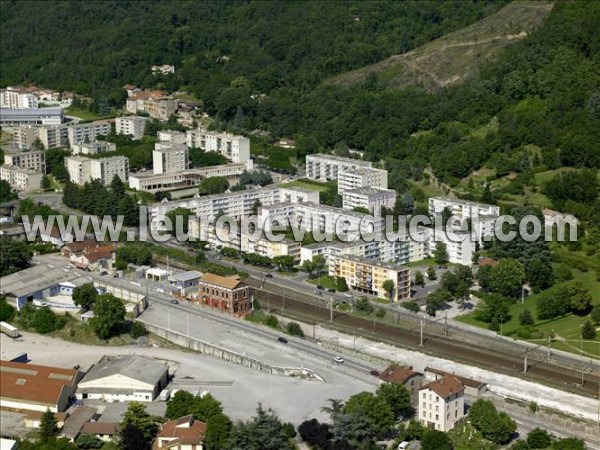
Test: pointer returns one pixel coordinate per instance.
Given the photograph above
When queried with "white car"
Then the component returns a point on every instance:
(347, 294)
(403, 445)
(338, 359)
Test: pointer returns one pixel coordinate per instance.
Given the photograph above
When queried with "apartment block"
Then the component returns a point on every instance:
(30, 116)
(82, 169)
(54, 136)
(441, 404)
(21, 179)
(369, 198)
(157, 104)
(233, 204)
(24, 136)
(323, 167)
(319, 218)
(368, 276)
(88, 132)
(17, 98)
(462, 208)
(235, 148)
(32, 160)
(169, 158)
(171, 137)
(93, 148)
(133, 126)
(361, 177)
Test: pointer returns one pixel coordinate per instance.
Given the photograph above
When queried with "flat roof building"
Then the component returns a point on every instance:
(133, 126)
(31, 116)
(369, 198)
(235, 148)
(32, 160)
(21, 179)
(361, 177)
(82, 169)
(326, 167)
(93, 148)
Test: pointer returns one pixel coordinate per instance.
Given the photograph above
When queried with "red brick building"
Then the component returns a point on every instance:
(228, 294)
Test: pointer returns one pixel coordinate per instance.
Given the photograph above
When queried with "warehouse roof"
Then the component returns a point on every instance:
(132, 366)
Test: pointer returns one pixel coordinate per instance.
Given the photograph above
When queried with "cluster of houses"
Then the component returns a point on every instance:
(78, 399)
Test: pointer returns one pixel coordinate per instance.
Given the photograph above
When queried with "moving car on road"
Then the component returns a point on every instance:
(282, 340)
(338, 359)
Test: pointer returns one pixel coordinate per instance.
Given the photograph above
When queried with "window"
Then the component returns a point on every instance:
(437, 417)
(424, 405)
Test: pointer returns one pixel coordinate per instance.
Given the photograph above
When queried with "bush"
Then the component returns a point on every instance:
(411, 306)
(380, 313)
(7, 312)
(363, 305)
(537, 334)
(524, 333)
(271, 321)
(138, 329)
(294, 329)
(526, 318)
(538, 438)
(588, 331)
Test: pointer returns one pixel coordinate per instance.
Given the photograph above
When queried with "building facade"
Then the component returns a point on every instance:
(54, 136)
(441, 404)
(235, 148)
(82, 169)
(169, 158)
(371, 199)
(93, 148)
(17, 98)
(21, 179)
(30, 116)
(323, 167)
(34, 160)
(361, 177)
(133, 126)
(368, 276)
(88, 132)
(227, 294)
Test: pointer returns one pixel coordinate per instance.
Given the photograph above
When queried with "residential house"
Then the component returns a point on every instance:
(54, 236)
(95, 258)
(105, 431)
(185, 433)
(441, 403)
(404, 375)
(77, 247)
(183, 282)
(472, 387)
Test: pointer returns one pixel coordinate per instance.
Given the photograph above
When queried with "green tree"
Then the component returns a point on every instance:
(580, 298)
(419, 278)
(46, 182)
(138, 329)
(363, 305)
(319, 263)
(15, 255)
(109, 316)
(431, 273)
(218, 428)
(180, 404)
(436, 440)
(411, 306)
(539, 438)
(284, 262)
(341, 285)
(388, 286)
(131, 437)
(88, 441)
(7, 312)
(373, 408)
(48, 426)
(526, 318)
(507, 278)
(595, 316)
(569, 444)
(136, 416)
(6, 192)
(396, 396)
(440, 254)
(588, 331)
(294, 329)
(494, 426)
(308, 266)
(44, 320)
(264, 431)
(213, 185)
(180, 215)
(85, 295)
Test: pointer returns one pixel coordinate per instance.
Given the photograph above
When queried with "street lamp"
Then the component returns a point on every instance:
(581, 351)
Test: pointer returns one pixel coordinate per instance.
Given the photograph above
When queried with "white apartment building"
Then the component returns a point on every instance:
(32, 160)
(235, 148)
(323, 167)
(462, 208)
(169, 158)
(56, 136)
(17, 98)
(171, 137)
(318, 218)
(441, 404)
(233, 204)
(82, 169)
(360, 177)
(459, 245)
(30, 116)
(133, 126)
(88, 131)
(372, 199)
(21, 179)
(93, 148)
(157, 104)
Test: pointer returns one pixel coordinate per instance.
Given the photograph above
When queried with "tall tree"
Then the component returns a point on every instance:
(136, 418)
(48, 426)
(396, 396)
(109, 316)
(388, 286)
(85, 295)
(440, 254)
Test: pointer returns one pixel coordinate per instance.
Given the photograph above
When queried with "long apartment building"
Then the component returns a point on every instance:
(234, 204)
(30, 116)
(133, 126)
(93, 148)
(361, 177)
(482, 215)
(235, 148)
(33, 160)
(152, 182)
(88, 132)
(369, 276)
(82, 169)
(21, 179)
(24, 136)
(323, 167)
(314, 217)
(369, 198)
(55, 136)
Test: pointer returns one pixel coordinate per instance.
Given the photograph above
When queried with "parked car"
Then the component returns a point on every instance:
(403, 445)
(319, 287)
(338, 359)
(331, 290)
(175, 302)
(268, 275)
(375, 373)
(282, 340)
(347, 294)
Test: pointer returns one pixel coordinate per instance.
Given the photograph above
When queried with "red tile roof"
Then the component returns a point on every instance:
(445, 387)
(107, 428)
(464, 380)
(398, 374)
(34, 383)
(183, 431)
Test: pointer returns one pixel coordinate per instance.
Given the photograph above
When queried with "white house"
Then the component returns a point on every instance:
(441, 403)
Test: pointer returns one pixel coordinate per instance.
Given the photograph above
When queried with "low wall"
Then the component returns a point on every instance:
(210, 349)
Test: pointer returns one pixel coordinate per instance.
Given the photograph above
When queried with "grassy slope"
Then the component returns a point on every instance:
(457, 56)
